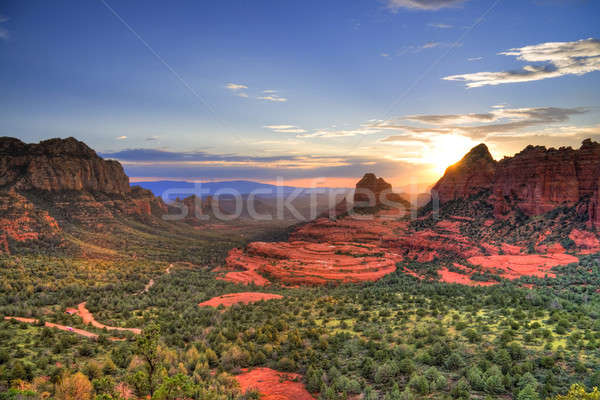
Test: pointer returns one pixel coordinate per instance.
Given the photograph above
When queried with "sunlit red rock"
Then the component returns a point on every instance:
(273, 385)
(227, 300)
(585, 241)
(535, 180)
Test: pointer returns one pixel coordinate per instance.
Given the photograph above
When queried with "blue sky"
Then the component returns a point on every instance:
(210, 90)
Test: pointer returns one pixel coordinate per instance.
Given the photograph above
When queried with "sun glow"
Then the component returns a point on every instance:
(447, 150)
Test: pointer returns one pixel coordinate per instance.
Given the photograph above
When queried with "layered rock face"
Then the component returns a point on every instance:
(56, 164)
(58, 181)
(536, 180)
(467, 177)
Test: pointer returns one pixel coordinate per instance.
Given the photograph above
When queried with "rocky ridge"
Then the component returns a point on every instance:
(58, 182)
(533, 181)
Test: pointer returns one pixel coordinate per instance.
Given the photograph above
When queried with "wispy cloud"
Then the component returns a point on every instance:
(121, 137)
(395, 5)
(4, 34)
(474, 58)
(413, 49)
(285, 128)
(236, 86)
(204, 165)
(440, 25)
(238, 89)
(337, 133)
(552, 60)
(273, 97)
(152, 138)
(476, 125)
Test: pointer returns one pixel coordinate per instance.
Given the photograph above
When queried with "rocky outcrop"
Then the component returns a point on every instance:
(472, 174)
(57, 164)
(374, 192)
(535, 181)
(55, 182)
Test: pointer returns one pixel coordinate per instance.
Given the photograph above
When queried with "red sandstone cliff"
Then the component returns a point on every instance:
(469, 176)
(535, 181)
(58, 181)
(58, 164)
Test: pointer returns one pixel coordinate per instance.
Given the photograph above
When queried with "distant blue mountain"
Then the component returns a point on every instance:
(183, 189)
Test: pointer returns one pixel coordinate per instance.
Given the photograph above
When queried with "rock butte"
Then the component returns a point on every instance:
(228, 300)
(273, 385)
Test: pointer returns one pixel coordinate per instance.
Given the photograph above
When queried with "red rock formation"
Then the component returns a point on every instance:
(585, 241)
(535, 181)
(58, 164)
(44, 185)
(376, 192)
(472, 174)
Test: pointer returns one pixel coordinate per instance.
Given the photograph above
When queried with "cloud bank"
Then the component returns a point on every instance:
(552, 60)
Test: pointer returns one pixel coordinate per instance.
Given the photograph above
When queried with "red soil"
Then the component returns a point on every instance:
(273, 385)
(455, 277)
(585, 241)
(511, 249)
(490, 249)
(450, 226)
(513, 267)
(234, 298)
(88, 318)
(553, 248)
(61, 327)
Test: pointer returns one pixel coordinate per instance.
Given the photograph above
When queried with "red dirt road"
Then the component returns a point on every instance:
(235, 298)
(88, 319)
(274, 385)
(61, 327)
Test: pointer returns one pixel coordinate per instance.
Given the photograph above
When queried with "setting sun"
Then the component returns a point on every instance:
(447, 150)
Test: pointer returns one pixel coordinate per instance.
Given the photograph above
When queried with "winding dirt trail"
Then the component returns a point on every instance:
(88, 318)
(81, 332)
(151, 281)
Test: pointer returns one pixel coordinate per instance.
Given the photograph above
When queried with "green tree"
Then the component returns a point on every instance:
(528, 393)
(577, 392)
(175, 387)
(147, 348)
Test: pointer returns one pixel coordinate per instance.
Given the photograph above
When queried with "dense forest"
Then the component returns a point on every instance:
(397, 338)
